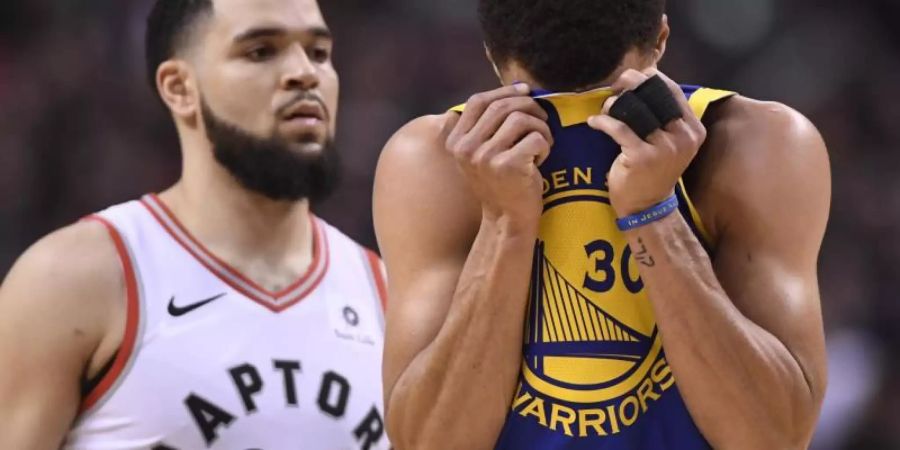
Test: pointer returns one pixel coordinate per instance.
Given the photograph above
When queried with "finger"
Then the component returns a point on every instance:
(479, 103)
(618, 130)
(608, 104)
(516, 127)
(629, 80)
(500, 111)
(531, 151)
(662, 140)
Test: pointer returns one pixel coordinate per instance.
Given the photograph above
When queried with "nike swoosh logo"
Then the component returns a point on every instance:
(178, 311)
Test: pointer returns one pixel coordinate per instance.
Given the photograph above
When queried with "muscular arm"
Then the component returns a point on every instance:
(459, 285)
(743, 333)
(54, 324)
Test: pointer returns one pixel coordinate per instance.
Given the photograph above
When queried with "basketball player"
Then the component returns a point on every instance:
(220, 313)
(671, 301)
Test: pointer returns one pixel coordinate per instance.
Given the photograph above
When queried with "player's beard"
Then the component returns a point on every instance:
(273, 166)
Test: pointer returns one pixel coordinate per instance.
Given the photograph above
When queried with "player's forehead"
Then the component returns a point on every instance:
(233, 17)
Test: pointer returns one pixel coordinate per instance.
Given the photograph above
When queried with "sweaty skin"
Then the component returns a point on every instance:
(742, 331)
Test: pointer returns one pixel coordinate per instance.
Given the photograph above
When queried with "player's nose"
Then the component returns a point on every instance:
(299, 71)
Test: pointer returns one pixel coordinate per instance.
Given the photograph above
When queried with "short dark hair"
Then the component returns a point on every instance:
(568, 45)
(168, 26)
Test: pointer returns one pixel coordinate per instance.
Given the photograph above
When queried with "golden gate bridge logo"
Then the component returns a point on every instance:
(573, 343)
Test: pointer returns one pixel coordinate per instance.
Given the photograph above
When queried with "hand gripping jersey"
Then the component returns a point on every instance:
(594, 372)
(211, 360)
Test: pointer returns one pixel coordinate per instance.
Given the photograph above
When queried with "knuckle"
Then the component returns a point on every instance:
(637, 160)
(692, 137)
(451, 143)
(477, 100)
(672, 145)
(620, 128)
(519, 119)
(479, 158)
(463, 148)
(497, 107)
(497, 164)
(537, 143)
(693, 140)
(701, 134)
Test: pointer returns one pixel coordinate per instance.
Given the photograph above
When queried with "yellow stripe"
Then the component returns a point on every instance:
(704, 97)
(700, 102)
(575, 109)
(695, 215)
(576, 193)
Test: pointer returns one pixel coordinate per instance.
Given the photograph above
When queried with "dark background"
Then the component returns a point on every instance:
(79, 130)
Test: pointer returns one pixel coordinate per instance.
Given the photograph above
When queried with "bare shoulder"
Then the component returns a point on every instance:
(420, 140)
(58, 311)
(743, 121)
(420, 193)
(71, 276)
(761, 157)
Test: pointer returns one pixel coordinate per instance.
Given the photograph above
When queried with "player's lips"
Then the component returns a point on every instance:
(311, 112)
(304, 118)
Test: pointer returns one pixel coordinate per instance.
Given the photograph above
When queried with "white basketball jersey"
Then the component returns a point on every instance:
(212, 360)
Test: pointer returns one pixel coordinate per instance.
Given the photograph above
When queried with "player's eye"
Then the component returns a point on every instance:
(261, 53)
(320, 54)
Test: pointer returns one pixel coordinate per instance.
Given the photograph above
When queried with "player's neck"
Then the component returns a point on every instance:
(248, 230)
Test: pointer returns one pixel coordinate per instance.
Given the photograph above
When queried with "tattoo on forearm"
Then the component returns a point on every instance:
(643, 256)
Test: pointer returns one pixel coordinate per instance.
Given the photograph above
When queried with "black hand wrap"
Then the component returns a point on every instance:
(629, 108)
(656, 94)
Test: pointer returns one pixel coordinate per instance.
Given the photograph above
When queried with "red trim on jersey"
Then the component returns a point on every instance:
(131, 319)
(375, 264)
(226, 272)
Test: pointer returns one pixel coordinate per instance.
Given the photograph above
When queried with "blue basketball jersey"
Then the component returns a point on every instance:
(594, 372)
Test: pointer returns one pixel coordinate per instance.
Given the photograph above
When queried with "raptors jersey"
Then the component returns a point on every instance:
(212, 360)
(594, 373)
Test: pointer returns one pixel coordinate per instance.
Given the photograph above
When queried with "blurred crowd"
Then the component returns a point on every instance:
(81, 130)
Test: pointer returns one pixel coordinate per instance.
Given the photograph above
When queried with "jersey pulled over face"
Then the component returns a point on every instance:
(211, 360)
(594, 372)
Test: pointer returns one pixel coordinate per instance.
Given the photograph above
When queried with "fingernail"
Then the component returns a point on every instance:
(521, 87)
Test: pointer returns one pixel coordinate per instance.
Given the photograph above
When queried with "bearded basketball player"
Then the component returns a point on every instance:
(220, 313)
(671, 301)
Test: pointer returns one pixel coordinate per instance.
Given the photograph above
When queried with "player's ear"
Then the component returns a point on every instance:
(177, 87)
(663, 39)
